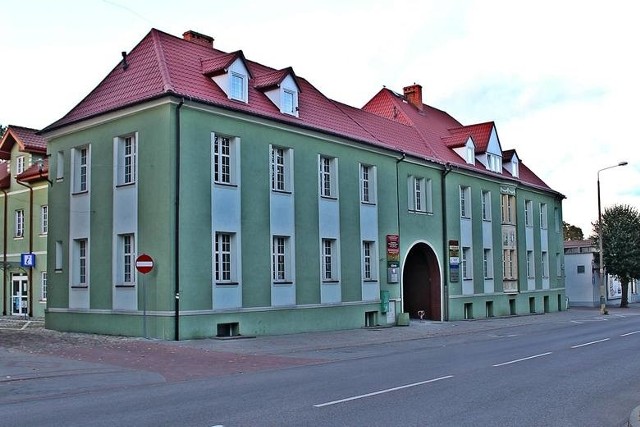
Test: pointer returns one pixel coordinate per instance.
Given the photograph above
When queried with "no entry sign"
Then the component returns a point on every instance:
(144, 263)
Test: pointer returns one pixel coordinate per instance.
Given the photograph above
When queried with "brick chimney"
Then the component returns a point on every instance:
(413, 94)
(198, 38)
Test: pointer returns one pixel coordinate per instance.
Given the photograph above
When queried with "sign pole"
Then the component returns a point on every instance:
(144, 308)
(144, 264)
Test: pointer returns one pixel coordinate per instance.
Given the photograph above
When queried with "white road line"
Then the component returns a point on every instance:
(630, 333)
(375, 393)
(589, 343)
(523, 359)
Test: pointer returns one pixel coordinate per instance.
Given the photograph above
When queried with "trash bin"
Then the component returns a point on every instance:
(384, 301)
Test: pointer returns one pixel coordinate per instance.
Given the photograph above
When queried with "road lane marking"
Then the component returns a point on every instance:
(388, 390)
(630, 333)
(589, 343)
(521, 360)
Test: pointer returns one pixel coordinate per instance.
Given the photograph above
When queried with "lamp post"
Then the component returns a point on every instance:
(603, 305)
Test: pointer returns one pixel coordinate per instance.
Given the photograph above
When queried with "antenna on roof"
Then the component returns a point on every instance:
(125, 65)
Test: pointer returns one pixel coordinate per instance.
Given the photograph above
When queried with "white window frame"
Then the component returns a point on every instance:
(281, 161)
(368, 184)
(43, 286)
(543, 216)
(487, 263)
(224, 159)
(531, 273)
(528, 213)
(465, 201)
(81, 175)
(19, 223)
(369, 261)
(224, 258)
(545, 264)
(329, 260)
(44, 219)
(289, 102)
(238, 86)
(127, 255)
(81, 262)
(20, 165)
(467, 263)
(486, 205)
(471, 155)
(127, 150)
(328, 177)
(280, 259)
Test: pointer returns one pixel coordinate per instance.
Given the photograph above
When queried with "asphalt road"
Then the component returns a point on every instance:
(574, 372)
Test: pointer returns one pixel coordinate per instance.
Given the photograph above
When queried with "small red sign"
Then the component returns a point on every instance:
(144, 263)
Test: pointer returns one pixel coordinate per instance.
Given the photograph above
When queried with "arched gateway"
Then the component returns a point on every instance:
(421, 283)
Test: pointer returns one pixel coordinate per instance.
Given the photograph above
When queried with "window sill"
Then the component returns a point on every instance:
(225, 184)
(80, 193)
(328, 197)
(284, 192)
(60, 179)
(420, 212)
(331, 282)
(370, 280)
(126, 285)
(282, 283)
(79, 286)
(127, 184)
(18, 237)
(57, 270)
(227, 283)
(368, 203)
(43, 234)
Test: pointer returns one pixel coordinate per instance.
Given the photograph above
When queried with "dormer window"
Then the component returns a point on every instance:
(282, 89)
(289, 102)
(470, 155)
(238, 87)
(494, 163)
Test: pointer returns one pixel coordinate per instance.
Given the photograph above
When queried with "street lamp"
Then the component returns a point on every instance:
(603, 305)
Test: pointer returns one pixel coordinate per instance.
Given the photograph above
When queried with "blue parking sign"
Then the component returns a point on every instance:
(27, 260)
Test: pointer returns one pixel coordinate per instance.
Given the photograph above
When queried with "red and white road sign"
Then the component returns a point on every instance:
(144, 263)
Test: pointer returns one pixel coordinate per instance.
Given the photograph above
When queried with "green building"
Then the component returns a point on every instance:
(268, 208)
(24, 217)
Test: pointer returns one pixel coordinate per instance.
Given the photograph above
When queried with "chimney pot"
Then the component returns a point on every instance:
(198, 38)
(413, 94)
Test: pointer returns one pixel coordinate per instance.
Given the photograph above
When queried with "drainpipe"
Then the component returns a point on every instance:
(4, 256)
(177, 225)
(30, 294)
(445, 243)
(398, 215)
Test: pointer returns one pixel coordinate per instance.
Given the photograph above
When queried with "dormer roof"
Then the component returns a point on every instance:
(480, 134)
(35, 172)
(27, 139)
(273, 79)
(217, 65)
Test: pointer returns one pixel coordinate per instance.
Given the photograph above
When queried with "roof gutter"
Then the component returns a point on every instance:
(445, 244)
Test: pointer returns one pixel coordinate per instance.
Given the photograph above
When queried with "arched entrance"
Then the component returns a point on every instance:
(421, 283)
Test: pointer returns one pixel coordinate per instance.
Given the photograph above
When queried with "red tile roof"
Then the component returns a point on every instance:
(163, 65)
(5, 177)
(28, 140)
(274, 79)
(35, 173)
(479, 133)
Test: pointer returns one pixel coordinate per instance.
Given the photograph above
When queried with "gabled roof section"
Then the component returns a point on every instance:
(273, 79)
(36, 172)
(5, 177)
(27, 139)
(384, 103)
(480, 133)
(220, 64)
(507, 155)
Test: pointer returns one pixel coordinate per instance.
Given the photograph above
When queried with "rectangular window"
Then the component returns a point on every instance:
(528, 213)
(60, 166)
(280, 259)
(81, 267)
(288, 102)
(223, 257)
(58, 255)
(367, 184)
(530, 265)
(127, 242)
(328, 178)
(465, 202)
(420, 194)
(486, 205)
(329, 261)
(19, 165)
(556, 219)
(368, 260)
(467, 266)
(222, 160)
(487, 264)
(126, 167)
(509, 264)
(43, 285)
(581, 269)
(543, 216)
(278, 172)
(44, 219)
(237, 87)
(19, 225)
(80, 170)
(545, 264)
(508, 209)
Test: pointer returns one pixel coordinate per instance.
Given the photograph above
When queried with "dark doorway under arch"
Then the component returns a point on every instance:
(421, 283)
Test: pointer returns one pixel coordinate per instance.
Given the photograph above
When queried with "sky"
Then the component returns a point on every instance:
(560, 79)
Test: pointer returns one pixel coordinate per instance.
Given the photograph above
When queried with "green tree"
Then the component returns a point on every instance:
(2, 130)
(571, 232)
(621, 245)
